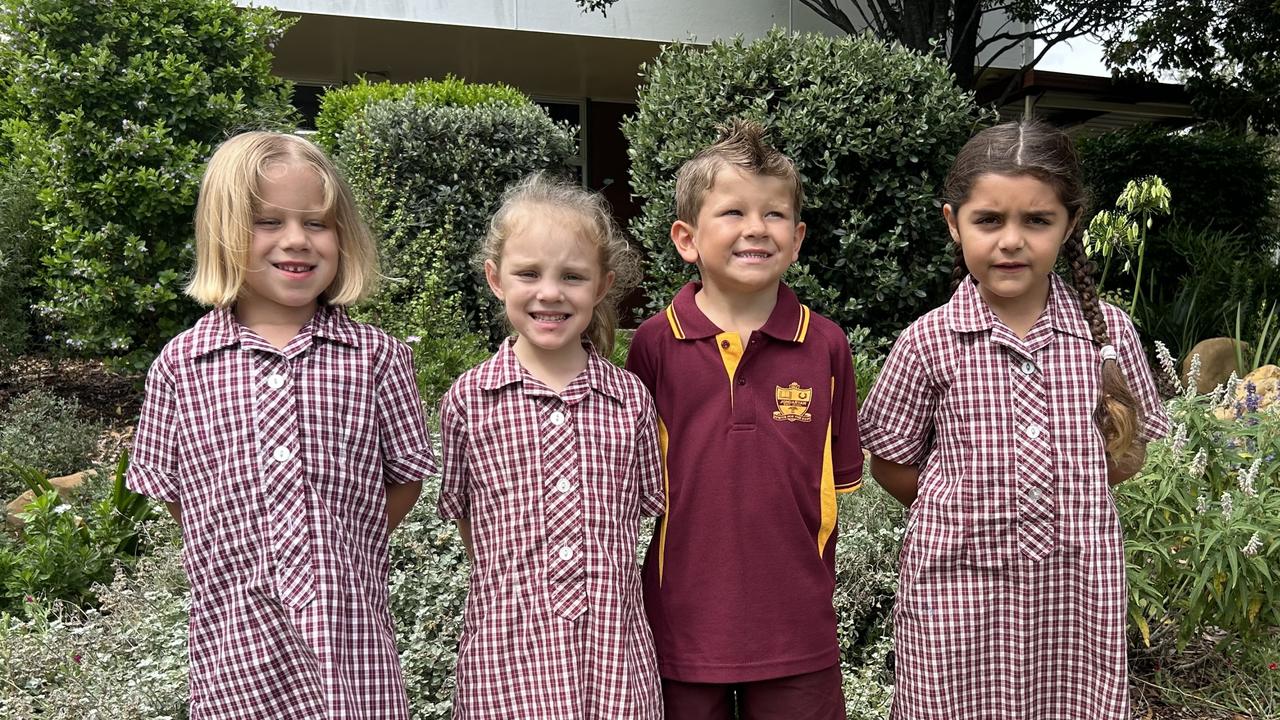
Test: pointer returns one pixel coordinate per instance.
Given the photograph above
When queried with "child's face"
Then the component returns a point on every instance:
(293, 256)
(549, 279)
(1010, 231)
(746, 234)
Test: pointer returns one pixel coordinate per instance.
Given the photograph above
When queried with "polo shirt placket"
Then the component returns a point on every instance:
(562, 504)
(284, 485)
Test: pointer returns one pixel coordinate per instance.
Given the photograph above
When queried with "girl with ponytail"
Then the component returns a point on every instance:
(1001, 419)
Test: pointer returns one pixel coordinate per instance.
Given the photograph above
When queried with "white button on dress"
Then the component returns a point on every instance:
(281, 454)
(566, 553)
(275, 381)
(557, 418)
(564, 486)
(1033, 431)
(1028, 368)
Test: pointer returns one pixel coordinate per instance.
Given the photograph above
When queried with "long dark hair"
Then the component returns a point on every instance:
(1044, 152)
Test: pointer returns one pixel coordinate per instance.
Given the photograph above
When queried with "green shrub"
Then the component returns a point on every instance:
(117, 106)
(872, 129)
(20, 245)
(1219, 180)
(340, 106)
(429, 177)
(1202, 524)
(44, 432)
(126, 660)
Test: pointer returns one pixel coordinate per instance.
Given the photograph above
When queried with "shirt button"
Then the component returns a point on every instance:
(742, 381)
(724, 344)
(1034, 494)
(1028, 368)
(566, 553)
(564, 486)
(275, 382)
(557, 418)
(1033, 431)
(281, 454)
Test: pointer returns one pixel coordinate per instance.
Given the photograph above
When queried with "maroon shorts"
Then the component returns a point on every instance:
(811, 696)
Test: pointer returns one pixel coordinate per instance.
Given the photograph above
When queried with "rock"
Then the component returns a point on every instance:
(1217, 362)
(1266, 385)
(66, 486)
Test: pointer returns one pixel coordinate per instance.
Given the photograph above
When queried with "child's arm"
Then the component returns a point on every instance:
(400, 500)
(464, 529)
(900, 481)
(1127, 465)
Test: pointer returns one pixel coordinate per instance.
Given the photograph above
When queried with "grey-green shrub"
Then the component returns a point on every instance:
(43, 431)
(429, 176)
(115, 108)
(872, 129)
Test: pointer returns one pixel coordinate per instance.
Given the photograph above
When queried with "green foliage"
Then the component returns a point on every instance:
(340, 106)
(115, 107)
(61, 555)
(126, 660)
(429, 177)
(1202, 524)
(43, 432)
(20, 245)
(872, 130)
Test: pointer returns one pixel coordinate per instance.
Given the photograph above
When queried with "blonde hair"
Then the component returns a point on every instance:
(595, 223)
(229, 197)
(741, 145)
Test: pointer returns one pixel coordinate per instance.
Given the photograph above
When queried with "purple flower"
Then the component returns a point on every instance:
(1251, 397)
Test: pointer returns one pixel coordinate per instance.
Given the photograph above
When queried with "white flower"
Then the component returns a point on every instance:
(1179, 438)
(1202, 504)
(1199, 463)
(61, 509)
(1226, 506)
(412, 339)
(1167, 364)
(1247, 478)
(1215, 398)
(1229, 394)
(1193, 376)
(1253, 546)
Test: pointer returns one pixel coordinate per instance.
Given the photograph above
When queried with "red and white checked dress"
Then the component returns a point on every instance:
(1012, 598)
(280, 460)
(554, 487)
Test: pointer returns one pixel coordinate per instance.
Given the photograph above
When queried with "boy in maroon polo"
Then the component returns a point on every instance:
(757, 422)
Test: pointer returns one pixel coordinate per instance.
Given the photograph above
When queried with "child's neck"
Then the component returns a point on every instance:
(1019, 314)
(276, 325)
(553, 368)
(741, 313)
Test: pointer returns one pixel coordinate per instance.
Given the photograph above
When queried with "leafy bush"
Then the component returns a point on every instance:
(67, 547)
(43, 432)
(429, 177)
(125, 660)
(1202, 524)
(1219, 180)
(339, 106)
(116, 106)
(872, 129)
(20, 245)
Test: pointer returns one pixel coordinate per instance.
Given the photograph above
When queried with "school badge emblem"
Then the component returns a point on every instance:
(793, 403)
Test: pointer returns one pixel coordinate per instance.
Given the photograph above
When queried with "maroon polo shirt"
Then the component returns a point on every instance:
(758, 435)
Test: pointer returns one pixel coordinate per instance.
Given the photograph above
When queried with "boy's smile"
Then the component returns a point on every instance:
(746, 234)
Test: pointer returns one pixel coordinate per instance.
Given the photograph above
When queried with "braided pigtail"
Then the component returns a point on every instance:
(959, 270)
(1118, 413)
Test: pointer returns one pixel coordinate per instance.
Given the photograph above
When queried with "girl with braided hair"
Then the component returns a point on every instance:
(1001, 419)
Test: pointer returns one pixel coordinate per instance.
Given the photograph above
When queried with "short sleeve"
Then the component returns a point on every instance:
(647, 470)
(846, 443)
(153, 467)
(897, 419)
(1137, 373)
(455, 474)
(407, 456)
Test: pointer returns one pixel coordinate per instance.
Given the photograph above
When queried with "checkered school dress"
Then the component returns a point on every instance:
(279, 460)
(1012, 596)
(554, 487)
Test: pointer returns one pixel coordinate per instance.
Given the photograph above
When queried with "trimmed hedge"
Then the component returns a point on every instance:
(429, 176)
(872, 129)
(114, 108)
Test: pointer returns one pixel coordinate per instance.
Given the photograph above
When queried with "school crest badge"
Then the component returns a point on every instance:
(793, 403)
